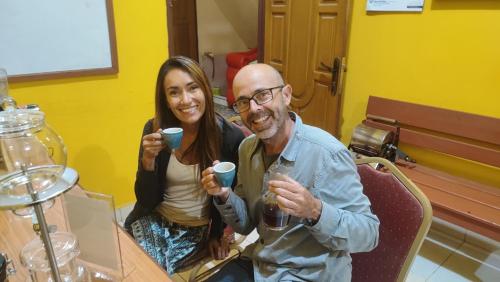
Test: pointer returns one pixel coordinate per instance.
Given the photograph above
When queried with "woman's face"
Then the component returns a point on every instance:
(184, 97)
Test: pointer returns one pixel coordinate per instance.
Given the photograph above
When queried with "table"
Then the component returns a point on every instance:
(15, 232)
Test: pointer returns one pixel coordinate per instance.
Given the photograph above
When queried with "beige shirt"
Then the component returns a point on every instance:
(185, 201)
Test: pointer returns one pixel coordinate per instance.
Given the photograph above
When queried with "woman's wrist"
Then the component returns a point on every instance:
(148, 163)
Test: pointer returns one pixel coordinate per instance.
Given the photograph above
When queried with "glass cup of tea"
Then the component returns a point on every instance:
(273, 217)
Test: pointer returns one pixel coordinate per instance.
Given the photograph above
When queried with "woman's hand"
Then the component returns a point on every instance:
(152, 144)
(219, 249)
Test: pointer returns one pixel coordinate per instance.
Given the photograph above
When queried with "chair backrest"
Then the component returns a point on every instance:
(405, 216)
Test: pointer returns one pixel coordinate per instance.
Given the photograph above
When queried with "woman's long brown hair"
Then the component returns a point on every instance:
(206, 146)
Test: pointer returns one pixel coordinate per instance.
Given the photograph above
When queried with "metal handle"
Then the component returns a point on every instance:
(342, 71)
(335, 75)
(337, 71)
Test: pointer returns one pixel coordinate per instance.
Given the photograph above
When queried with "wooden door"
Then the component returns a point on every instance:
(182, 31)
(303, 38)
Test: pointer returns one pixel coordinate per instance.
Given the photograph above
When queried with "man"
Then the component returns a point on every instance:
(331, 216)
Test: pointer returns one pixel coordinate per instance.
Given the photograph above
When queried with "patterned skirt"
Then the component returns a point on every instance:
(169, 243)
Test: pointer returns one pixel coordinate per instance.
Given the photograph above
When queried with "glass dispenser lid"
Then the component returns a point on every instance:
(18, 121)
(65, 245)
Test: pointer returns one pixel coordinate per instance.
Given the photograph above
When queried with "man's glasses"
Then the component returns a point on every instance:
(260, 97)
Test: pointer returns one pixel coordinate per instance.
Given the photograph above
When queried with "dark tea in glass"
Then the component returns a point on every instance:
(274, 218)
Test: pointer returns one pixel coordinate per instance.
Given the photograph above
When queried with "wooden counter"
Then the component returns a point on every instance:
(15, 232)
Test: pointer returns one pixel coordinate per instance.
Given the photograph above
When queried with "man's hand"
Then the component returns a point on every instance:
(152, 144)
(211, 185)
(294, 199)
(219, 249)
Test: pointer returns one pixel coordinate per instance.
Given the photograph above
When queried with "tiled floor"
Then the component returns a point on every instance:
(121, 213)
(450, 253)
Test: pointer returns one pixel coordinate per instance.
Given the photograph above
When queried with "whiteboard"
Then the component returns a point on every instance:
(43, 37)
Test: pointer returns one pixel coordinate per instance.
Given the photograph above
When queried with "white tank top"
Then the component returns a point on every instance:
(185, 201)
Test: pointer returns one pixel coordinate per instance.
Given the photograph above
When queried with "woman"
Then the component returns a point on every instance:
(171, 217)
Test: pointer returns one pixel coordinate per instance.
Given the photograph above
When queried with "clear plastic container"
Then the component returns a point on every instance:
(33, 256)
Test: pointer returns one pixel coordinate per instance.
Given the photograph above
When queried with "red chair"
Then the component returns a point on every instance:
(235, 61)
(405, 216)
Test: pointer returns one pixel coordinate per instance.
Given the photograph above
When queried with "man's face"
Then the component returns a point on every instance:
(267, 119)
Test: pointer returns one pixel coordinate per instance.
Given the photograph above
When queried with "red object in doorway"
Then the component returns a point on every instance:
(235, 61)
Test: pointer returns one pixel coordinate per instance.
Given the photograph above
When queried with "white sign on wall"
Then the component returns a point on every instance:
(395, 5)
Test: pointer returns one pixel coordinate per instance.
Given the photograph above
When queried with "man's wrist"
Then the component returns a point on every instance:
(316, 213)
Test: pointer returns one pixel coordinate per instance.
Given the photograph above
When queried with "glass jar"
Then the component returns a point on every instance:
(33, 256)
(33, 157)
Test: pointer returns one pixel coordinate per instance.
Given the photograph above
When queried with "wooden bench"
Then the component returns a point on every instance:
(464, 202)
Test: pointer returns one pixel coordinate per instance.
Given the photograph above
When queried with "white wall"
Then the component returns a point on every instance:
(226, 25)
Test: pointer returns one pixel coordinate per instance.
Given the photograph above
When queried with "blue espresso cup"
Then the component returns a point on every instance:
(172, 137)
(225, 172)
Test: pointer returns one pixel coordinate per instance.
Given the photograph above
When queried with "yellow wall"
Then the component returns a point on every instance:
(448, 56)
(101, 117)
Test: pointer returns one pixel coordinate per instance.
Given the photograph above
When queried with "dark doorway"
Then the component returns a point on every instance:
(182, 31)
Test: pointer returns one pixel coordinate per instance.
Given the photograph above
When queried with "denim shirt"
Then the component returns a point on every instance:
(300, 252)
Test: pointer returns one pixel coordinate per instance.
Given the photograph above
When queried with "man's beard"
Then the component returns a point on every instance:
(269, 132)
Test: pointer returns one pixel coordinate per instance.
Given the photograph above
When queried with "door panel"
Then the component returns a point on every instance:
(329, 43)
(277, 30)
(316, 111)
(325, 39)
(302, 38)
(299, 59)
